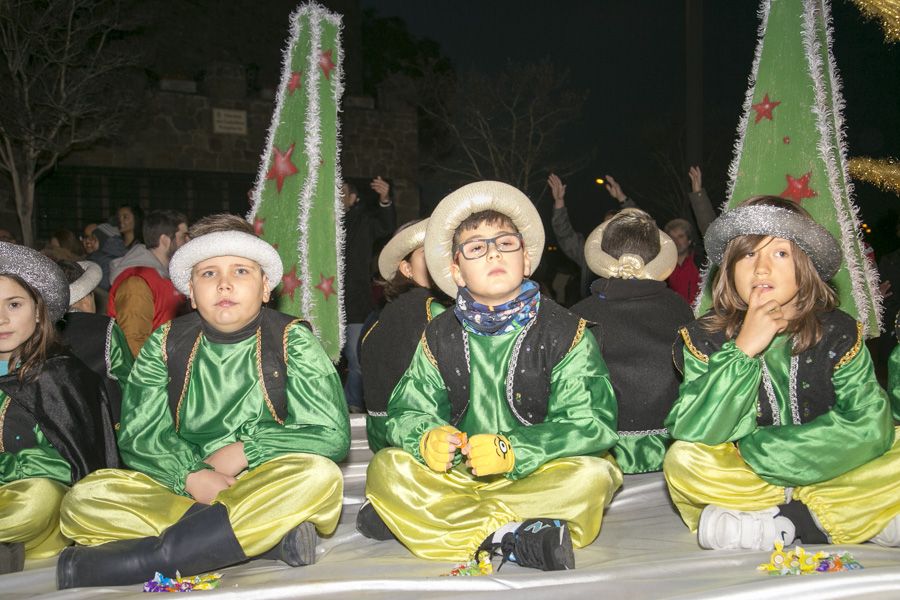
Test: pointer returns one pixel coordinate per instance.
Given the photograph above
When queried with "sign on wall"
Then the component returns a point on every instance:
(229, 121)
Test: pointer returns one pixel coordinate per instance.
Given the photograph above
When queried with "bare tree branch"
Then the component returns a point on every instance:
(509, 126)
(59, 72)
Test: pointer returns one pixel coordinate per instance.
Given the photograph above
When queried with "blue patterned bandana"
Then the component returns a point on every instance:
(503, 318)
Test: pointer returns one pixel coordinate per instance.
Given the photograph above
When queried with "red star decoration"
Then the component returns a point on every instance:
(326, 63)
(258, 226)
(282, 167)
(295, 82)
(326, 285)
(290, 282)
(765, 108)
(798, 188)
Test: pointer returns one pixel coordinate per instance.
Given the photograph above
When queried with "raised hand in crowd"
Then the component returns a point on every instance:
(615, 190)
(696, 178)
(383, 189)
(558, 189)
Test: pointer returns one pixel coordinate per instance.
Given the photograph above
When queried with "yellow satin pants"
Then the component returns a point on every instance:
(852, 507)
(446, 516)
(263, 505)
(29, 513)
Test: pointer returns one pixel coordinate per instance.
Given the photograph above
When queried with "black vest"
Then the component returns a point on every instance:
(68, 401)
(539, 347)
(841, 341)
(634, 322)
(387, 347)
(88, 336)
(182, 338)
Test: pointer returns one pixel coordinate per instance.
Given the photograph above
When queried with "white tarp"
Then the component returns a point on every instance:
(643, 551)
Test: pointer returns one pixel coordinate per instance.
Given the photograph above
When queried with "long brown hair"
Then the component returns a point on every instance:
(30, 356)
(814, 296)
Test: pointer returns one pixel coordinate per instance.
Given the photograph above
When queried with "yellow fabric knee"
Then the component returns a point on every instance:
(699, 475)
(270, 500)
(858, 505)
(117, 504)
(29, 513)
(446, 516)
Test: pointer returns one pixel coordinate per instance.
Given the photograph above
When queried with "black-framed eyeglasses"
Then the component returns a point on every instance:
(505, 242)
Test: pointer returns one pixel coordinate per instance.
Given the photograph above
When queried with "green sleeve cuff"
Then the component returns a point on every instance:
(181, 479)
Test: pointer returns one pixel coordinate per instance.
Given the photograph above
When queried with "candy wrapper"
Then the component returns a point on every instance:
(161, 583)
(800, 562)
(480, 565)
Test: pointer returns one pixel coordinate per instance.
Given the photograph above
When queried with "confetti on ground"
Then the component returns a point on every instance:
(161, 583)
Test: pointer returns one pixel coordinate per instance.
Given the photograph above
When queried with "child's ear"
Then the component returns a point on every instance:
(456, 274)
(526, 264)
(191, 294)
(266, 291)
(406, 269)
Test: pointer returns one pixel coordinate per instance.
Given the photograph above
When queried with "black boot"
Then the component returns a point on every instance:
(297, 548)
(201, 541)
(12, 557)
(371, 525)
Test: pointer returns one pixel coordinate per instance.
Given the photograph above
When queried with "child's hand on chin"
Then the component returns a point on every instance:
(763, 321)
(205, 485)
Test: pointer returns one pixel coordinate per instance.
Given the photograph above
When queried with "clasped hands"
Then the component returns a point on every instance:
(227, 462)
(486, 453)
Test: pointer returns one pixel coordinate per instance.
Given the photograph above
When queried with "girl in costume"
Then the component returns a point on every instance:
(388, 344)
(784, 431)
(55, 423)
(94, 338)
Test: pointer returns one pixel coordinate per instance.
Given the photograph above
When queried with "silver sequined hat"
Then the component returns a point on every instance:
(40, 273)
(760, 219)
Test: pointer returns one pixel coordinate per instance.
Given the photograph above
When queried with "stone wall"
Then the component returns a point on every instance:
(174, 130)
(171, 140)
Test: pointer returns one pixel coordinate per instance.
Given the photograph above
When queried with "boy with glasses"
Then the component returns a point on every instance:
(502, 421)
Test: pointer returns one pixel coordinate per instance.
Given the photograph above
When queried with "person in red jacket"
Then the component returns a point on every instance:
(685, 279)
(141, 297)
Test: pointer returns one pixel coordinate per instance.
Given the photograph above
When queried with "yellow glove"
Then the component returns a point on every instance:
(490, 454)
(438, 446)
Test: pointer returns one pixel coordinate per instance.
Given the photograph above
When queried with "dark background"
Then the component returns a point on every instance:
(630, 57)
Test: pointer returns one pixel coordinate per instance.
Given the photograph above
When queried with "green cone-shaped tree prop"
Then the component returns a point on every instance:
(790, 141)
(296, 203)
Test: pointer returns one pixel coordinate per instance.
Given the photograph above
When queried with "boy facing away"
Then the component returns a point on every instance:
(502, 421)
(635, 317)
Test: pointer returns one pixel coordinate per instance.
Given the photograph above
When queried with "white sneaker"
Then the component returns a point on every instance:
(722, 529)
(890, 535)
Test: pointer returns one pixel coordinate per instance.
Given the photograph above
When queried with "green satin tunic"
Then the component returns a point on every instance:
(40, 460)
(641, 453)
(120, 359)
(894, 381)
(717, 403)
(581, 409)
(224, 403)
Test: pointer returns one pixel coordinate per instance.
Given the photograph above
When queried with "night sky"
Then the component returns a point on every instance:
(629, 56)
